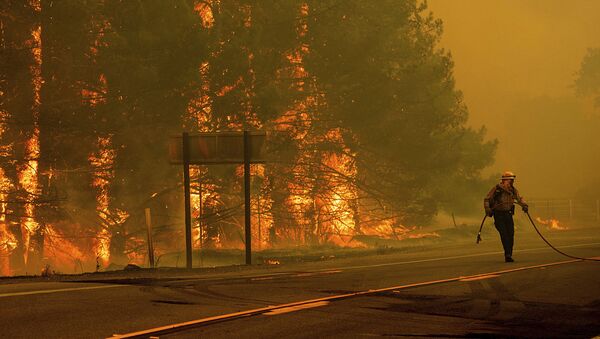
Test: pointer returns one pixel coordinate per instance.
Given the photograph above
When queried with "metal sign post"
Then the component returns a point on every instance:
(217, 148)
(149, 231)
(247, 213)
(187, 200)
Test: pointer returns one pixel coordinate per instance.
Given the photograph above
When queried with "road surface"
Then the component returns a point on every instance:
(463, 290)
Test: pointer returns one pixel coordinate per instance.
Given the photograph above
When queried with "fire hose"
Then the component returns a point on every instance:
(541, 236)
(480, 227)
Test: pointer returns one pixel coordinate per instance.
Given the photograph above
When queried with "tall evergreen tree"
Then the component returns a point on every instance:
(392, 91)
(150, 57)
(18, 22)
(588, 79)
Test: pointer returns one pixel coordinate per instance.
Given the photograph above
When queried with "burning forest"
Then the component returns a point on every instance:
(364, 116)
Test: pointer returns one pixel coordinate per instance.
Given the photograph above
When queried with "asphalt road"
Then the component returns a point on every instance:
(455, 291)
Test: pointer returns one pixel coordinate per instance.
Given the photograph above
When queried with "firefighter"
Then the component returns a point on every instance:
(500, 203)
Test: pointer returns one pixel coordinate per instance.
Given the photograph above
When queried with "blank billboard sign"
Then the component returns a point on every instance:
(218, 148)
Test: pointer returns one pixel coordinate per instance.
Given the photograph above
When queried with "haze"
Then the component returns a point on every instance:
(516, 61)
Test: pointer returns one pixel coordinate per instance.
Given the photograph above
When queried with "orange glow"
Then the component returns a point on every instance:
(552, 224)
(318, 201)
(204, 10)
(331, 218)
(196, 200)
(199, 107)
(247, 9)
(36, 4)
(262, 220)
(133, 256)
(96, 96)
(28, 172)
(7, 241)
(102, 162)
(227, 89)
(64, 255)
(302, 28)
(28, 180)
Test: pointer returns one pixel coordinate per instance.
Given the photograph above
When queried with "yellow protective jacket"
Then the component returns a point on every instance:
(502, 199)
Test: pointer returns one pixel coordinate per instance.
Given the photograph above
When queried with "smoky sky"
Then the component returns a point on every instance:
(515, 62)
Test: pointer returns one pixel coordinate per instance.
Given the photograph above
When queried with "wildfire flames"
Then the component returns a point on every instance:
(102, 163)
(324, 206)
(552, 224)
(27, 171)
(7, 241)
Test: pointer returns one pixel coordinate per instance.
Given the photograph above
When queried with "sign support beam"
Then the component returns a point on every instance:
(187, 200)
(211, 149)
(149, 231)
(247, 212)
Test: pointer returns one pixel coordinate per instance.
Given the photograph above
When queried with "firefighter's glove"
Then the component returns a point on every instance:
(525, 208)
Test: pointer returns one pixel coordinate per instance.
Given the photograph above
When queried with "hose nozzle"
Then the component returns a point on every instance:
(480, 228)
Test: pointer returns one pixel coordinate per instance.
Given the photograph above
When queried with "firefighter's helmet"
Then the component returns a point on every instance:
(508, 175)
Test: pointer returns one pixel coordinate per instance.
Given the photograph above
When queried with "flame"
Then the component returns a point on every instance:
(102, 163)
(97, 96)
(343, 192)
(552, 224)
(28, 172)
(262, 219)
(134, 255)
(211, 201)
(196, 201)
(204, 10)
(36, 5)
(323, 199)
(302, 27)
(320, 205)
(62, 254)
(28, 180)
(7, 241)
(199, 107)
(228, 88)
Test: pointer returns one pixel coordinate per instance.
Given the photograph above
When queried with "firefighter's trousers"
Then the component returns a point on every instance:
(503, 220)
